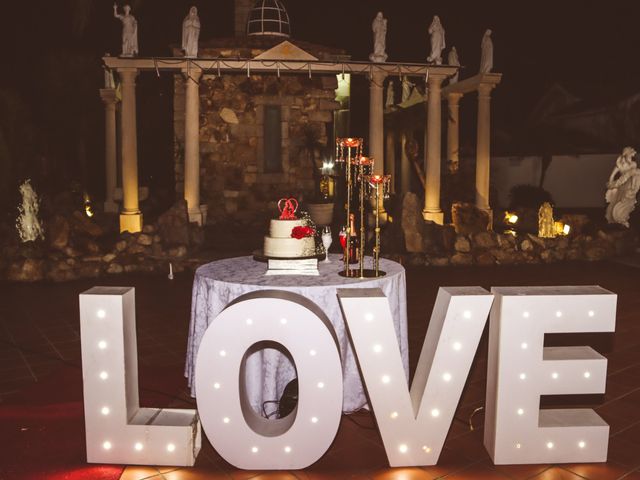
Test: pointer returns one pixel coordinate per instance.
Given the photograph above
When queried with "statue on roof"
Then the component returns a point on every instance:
(379, 27)
(622, 188)
(436, 32)
(486, 56)
(390, 100)
(407, 86)
(191, 33)
(129, 31)
(454, 61)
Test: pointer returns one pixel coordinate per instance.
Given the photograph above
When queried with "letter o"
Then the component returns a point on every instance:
(235, 430)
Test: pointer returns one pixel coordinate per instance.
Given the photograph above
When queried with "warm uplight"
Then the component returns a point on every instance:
(403, 448)
(457, 346)
(216, 386)
(287, 449)
(104, 375)
(254, 449)
(105, 410)
(554, 375)
(510, 218)
(138, 446)
(435, 413)
(226, 420)
(386, 379)
(377, 348)
(101, 313)
(394, 415)
(446, 376)
(549, 445)
(106, 445)
(171, 447)
(582, 444)
(102, 344)
(520, 411)
(314, 419)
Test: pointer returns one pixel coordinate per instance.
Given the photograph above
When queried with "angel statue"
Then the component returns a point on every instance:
(436, 31)
(486, 53)
(622, 188)
(129, 31)
(379, 28)
(454, 61)
(191, 33)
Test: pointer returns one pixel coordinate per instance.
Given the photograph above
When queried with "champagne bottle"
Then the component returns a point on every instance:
(354, 242)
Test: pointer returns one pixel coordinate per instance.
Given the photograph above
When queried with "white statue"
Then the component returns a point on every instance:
(486, 56)
(27, 223)
(191, 33)
(390, 101)
(437, 41)
(379, 27)
(407, 86)
(454, 61)
(622, 188)
(129, 31)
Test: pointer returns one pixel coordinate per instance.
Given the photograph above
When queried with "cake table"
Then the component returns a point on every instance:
(268, 371)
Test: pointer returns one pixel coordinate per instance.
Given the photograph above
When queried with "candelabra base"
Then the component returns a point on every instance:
(366, 273)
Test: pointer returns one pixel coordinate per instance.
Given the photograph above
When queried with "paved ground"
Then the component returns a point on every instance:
(39, 333)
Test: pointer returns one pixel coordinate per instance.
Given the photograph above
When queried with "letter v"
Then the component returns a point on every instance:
(413, 424)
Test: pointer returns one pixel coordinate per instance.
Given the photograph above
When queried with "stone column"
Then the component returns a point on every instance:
(391, 158)
(453, 131)
(376, 124)
(483, 152)
(109, 99)
(130, 217)
(433, 153)
(405, 165)
(192, 145)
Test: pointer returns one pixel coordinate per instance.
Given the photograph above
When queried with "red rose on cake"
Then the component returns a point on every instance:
(302, 232)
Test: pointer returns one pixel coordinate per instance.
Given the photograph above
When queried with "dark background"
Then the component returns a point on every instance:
(51, 116)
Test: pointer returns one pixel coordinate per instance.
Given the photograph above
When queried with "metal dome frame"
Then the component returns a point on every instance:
(275, 5)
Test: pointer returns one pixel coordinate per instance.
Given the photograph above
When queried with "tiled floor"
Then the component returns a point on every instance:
(39, 332)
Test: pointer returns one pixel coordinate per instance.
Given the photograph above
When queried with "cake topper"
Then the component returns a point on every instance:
(288, 207)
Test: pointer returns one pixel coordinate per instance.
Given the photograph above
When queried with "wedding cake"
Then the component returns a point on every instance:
(279, 243)
(289, 237)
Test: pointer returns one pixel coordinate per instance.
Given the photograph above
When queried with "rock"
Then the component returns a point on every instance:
(460, 259)
(71, 252)
(505, 257)
(467, 219)
(114, 268)
(439, 261)
(144, 239)
(148, 229)
(86, 225)
(61, 272)
(594, 254)
(416, 260)
(485, 259)
(448, 237)
(229, 116)
(136, 248)
(157, 239)
(89, 269)
(173, 225)
(484, 240)
(109, 257)
(131, 268)
(541, 242)
(526, 245)
(506, 240)
(412, 222)
(121, 245)
(177, 252)
(26, 270)
(462, 244)
(58, 232)
(573, 254)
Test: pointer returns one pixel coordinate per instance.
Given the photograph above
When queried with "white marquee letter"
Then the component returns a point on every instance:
(521, 369)
(236, 431)
(414, 424)
(117, 429)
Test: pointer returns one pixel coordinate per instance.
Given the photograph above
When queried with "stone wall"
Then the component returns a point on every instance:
(425, 243)
(233, 182)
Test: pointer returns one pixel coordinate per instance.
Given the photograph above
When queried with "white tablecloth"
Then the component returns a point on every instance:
(268, 371)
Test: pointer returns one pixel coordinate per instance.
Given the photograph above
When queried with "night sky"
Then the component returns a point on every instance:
(52, 50)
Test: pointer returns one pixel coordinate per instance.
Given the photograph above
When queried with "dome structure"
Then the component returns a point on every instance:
(268, 17)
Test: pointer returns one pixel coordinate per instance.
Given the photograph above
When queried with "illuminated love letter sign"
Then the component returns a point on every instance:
(520, 369)
(238, 433)
(413, 424)
(117, 429)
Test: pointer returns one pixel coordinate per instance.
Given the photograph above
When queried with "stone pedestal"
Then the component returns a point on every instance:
(109, 99)
(433, 153)
(192, 145)
(130, 216)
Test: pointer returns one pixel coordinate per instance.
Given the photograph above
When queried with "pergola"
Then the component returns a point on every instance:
(194, 69)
